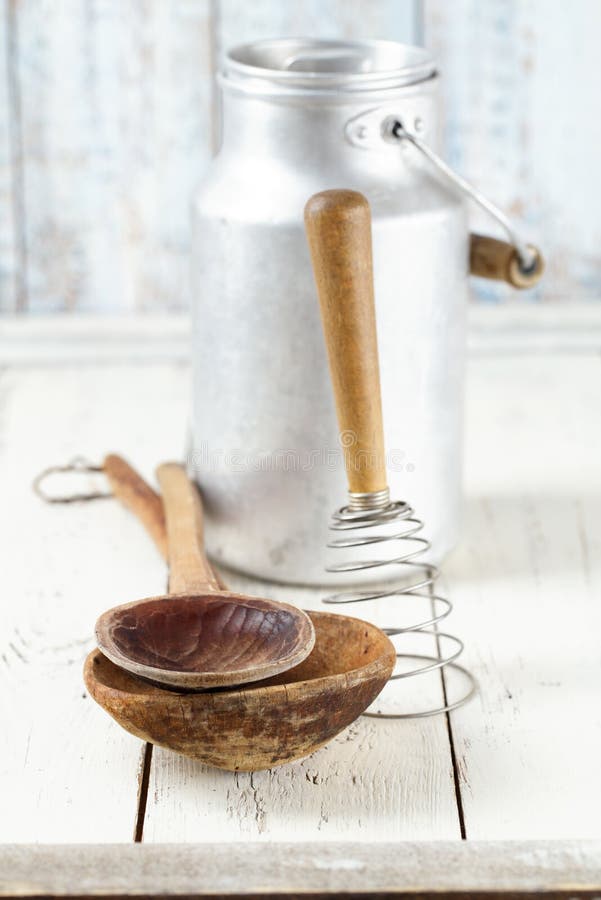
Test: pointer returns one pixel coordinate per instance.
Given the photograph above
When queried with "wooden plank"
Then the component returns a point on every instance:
(532, 541)
(59, 340)
(526, 583)
(378, 780)
(572, 329)
(513, 99)
(566, 329)
(441, 869)
(9, 165)
(67, 772)
(115, 101)
(240, 22)
(403, 777)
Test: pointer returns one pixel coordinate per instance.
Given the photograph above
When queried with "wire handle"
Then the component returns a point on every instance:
(525, 252)
(127, 486)
(518, 263)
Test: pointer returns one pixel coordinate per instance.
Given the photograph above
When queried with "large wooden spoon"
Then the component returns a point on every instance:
(200, 636)
(261, 725)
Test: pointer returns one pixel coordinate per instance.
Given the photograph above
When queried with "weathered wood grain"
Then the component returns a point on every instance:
(518, 98)
(377, 780)
(11, 262)
(136, 495)
(528, 762)
(441, 869)
(530, 553)
(115, 124)
(526, 584)
(110, 117)
(373, 774)
(67, 773)
(261, 726)
(200, 636)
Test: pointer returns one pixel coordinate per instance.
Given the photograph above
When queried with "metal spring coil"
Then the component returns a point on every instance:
(354, 518)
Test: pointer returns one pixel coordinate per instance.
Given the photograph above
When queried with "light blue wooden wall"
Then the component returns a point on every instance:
(521, 80)
(106, 108)
(107, 123)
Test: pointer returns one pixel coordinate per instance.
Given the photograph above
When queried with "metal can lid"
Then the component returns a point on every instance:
(306, 65)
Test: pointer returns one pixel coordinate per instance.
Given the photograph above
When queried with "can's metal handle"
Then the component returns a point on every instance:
(518, 263)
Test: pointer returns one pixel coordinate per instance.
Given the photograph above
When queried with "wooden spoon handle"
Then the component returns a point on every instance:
(134, 493)
(189, 570)
(338, 225)
(146, 504)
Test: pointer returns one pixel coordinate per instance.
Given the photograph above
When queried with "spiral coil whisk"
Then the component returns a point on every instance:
(354, 522)
(338, 224)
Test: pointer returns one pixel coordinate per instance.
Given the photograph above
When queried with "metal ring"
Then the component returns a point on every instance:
(369, 500)
(77, 464)
(365, 540)
(346, 517)
(526, 276)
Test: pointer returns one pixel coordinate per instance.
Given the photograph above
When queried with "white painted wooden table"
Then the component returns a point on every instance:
(388, 806)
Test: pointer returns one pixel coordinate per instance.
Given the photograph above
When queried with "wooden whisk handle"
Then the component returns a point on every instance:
(338, 225)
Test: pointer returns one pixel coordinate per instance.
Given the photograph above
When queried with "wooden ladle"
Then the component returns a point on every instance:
(200, 636)
(259, 725)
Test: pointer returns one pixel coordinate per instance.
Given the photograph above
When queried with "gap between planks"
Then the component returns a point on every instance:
(144, 778)
(149, 759)
(447, 715)
(456, 778)
(144, 781)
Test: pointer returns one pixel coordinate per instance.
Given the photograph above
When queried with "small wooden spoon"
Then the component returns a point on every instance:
(200, 636)
(263, 724)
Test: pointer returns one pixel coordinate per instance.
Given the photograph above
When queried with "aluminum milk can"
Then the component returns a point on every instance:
(301, 116)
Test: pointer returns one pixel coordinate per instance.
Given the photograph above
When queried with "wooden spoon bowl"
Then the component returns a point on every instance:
(196, 641)
(201, 635)
(264, 724)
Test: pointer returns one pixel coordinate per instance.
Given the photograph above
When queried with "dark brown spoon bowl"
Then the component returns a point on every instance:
(198, 642)
(263, 724)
